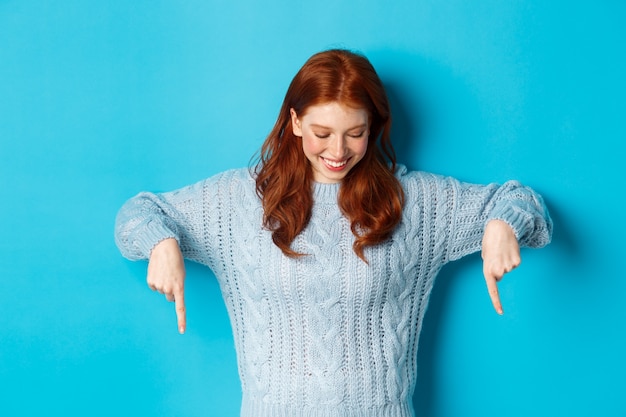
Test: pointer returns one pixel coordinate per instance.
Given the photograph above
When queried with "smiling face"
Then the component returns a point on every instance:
(334, 139)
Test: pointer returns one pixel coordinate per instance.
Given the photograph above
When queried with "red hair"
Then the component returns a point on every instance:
(370, 196)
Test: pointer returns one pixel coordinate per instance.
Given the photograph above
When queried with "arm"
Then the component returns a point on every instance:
(163, 228)
(498, 220)
(148, 218)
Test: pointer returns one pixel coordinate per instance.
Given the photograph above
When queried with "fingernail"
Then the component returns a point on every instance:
(181, 330)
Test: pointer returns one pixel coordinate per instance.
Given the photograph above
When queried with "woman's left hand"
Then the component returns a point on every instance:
(501, 254)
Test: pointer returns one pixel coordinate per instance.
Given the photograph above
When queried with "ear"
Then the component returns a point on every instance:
(296, 124)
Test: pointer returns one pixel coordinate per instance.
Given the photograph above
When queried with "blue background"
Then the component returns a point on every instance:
(102, 99)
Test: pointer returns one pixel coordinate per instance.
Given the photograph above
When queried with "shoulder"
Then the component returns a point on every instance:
(231, 178)
(411, 180)
(233, 182)
(235, 174)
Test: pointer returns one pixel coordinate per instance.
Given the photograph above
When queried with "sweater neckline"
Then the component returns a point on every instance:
(325, 193)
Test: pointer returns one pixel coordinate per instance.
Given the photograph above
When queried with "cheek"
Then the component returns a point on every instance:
(361, 147)
(310, 145)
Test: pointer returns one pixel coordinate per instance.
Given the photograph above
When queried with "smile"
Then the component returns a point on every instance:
(335, 164)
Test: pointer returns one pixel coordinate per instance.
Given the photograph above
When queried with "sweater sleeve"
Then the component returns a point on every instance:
(517, 205)
(148, 218)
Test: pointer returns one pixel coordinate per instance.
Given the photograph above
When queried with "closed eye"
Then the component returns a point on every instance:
(357, 135)
(322, 135)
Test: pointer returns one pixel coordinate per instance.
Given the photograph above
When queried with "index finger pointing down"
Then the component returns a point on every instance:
(181, 315)
(492, 287)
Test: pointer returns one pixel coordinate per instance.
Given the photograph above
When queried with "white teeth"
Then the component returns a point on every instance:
(335, 164)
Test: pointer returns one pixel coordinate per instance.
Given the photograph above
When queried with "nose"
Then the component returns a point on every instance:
(338, 147)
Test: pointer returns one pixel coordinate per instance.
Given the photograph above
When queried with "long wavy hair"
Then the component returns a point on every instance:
(370, 196)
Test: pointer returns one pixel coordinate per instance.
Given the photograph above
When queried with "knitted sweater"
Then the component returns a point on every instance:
(327, 334)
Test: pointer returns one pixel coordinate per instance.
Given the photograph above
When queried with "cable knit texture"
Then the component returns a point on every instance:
(327, 334)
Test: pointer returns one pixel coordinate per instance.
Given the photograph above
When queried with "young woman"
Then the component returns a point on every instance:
(326, 251)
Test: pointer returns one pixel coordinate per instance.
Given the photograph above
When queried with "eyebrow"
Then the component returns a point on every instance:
(361, 126)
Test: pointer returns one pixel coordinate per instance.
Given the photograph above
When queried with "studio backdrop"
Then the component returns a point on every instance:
(102, 99)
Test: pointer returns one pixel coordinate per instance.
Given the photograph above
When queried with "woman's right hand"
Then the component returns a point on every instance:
(166, 274)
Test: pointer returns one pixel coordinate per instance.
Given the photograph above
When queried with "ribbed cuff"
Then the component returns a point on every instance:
(152, 234)
(518, 220)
